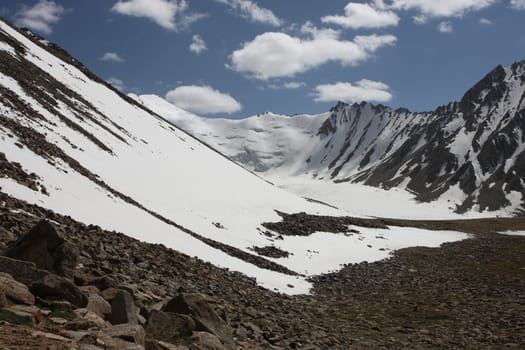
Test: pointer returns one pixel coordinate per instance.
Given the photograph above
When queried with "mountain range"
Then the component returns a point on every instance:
(470, 153)
(129, 223)
(72, 144)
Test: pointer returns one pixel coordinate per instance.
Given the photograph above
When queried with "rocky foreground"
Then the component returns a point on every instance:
(65, 285)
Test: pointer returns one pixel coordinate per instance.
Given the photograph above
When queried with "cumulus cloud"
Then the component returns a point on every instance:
(358, 15)
(445, 27)
(252, 12)
(445, 8)
(291, 85)
(363, 90)
(275, 54)
(518, 4)
(169, 14)
(203, 100)
(40, 16)
(112, 57)
(485, 21)
(117, 83)
(198, 45)
(294, 85)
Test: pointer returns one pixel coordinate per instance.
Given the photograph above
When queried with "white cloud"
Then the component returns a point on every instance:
(363, 90)
(117, 83)
(111, 57)
(251, 11)
(485, 21)
(359, 15)
(294, 85)
(518, 4)
(198, 45)
(203, 100)
(441, 8)
(274, 54)
(445, 27)
(420, 19)
(40, 16)
(170, 14)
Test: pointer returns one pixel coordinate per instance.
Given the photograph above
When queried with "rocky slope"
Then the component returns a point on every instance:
(469, 152)
(128, 294)
(74, 145)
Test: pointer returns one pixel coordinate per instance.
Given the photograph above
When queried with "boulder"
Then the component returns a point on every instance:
(99, 306)
(109, 294)
(168, 326)
(28, 310)
(129, 332)
(123, 309)
(22, 271)
(206, 319)
(206, 341)
(84, 320)
(47, 249)
(16, 291)
(53, 286)
(89, 290)
(103, 282)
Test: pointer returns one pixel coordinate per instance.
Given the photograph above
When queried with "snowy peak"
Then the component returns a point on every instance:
(468, 153)
(465, 151)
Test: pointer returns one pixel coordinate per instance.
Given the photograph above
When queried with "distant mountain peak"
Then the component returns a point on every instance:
(469, 152)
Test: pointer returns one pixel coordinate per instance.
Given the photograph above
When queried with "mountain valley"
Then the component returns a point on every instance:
(129, 223)
(468, 154)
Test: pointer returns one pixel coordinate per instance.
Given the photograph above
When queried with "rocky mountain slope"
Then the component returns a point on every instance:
(74, 145)
(469, 152)
(120, 231)
(125, 294)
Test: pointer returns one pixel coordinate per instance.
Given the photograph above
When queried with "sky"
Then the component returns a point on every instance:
(237, 58)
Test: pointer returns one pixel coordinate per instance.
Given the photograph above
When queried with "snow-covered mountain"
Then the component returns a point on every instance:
(71, 143)
(469, 153)
(260, 143)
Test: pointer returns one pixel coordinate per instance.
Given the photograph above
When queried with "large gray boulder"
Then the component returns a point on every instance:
(43, 283)
(47, 249)
(57, 287)
(15, 290)
(169, 327)
(123, 309)
(206, 319)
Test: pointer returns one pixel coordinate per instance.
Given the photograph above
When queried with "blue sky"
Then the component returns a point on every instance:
(235, 58)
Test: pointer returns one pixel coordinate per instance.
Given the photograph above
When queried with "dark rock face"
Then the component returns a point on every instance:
(206, 319)
(47, 249)
(169, 326)
(103, 282)
(53, 286)
(123, 309)
(42, 283)
(23, 271)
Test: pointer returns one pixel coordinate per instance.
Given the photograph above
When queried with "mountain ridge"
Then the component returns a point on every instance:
(452, 152)
(72, 145)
